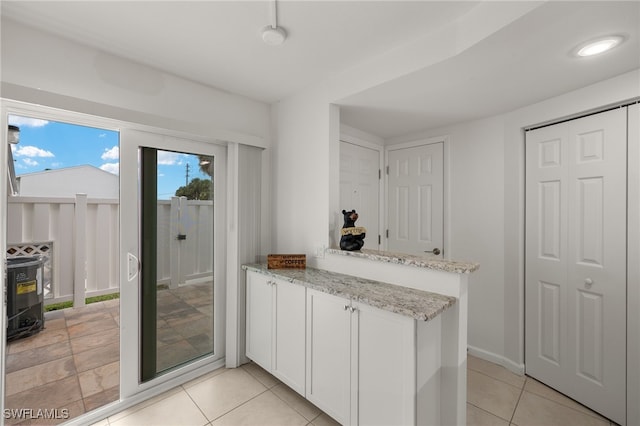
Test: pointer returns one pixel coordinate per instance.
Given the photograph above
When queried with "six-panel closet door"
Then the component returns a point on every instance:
(575, 285)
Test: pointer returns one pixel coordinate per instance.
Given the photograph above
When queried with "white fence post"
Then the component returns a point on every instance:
(80, 248)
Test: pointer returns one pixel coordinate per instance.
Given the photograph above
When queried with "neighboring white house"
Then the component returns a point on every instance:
(67, 182)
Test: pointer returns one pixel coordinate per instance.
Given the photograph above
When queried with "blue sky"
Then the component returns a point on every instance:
(53, 145)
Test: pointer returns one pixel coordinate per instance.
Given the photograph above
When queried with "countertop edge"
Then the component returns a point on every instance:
(442, 302)
(451, 266)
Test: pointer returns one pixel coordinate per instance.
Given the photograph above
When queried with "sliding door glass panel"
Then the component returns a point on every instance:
(177, 234)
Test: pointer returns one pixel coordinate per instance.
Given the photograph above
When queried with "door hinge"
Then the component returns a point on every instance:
(379, 239)
(387, 170)
(379, 173)
(387, 233)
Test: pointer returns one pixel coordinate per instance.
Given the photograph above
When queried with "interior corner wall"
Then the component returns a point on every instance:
(42, 68)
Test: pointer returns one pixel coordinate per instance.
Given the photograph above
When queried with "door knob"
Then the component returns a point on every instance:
(588, 282)
(435, 251)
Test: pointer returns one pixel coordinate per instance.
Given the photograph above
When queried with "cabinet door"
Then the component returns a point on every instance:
(259, 319)
(289, 334)
(329, 354)
(386, 367)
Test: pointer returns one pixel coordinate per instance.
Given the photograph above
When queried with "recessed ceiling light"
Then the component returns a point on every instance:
(600, 45)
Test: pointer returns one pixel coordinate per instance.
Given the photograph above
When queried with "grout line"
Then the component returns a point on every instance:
(495, 378)
(517, 403)
(291, 406)
(236, 407)
(488, 412)
(591, 413)
(196, 404)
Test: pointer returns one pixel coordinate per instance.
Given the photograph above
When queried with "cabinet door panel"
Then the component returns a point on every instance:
(328, 354)
(259, 320)
(289, 334)
(386, 368)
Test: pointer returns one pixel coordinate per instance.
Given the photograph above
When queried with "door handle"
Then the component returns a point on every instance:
(435, 251)
(133, 266)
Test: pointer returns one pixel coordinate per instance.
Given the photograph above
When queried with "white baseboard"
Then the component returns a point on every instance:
(497, 359)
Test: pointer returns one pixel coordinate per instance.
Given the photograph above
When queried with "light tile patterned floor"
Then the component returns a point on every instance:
(250, 396)
(73, 364)
(243, 396)
(496, 396)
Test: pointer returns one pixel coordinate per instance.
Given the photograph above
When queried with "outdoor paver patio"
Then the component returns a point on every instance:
(74, 363)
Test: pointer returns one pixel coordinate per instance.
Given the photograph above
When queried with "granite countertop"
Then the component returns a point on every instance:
(416, 304)
(411, 260)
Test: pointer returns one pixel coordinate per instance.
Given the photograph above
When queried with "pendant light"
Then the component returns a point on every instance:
(273, 35)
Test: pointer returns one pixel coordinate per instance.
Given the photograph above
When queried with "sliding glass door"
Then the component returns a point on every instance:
(173, 252)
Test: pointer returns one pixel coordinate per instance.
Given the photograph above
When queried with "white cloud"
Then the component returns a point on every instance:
(27, 121)
(111, 168)
(32, 151)
(111, 154)
(29, 162)
(169, 158)
(102, 135)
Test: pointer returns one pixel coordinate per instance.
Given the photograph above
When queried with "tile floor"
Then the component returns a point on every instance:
(73, 364)
(250, 396)
(498, 397)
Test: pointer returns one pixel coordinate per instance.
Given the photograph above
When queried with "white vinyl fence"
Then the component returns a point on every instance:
(80, 238)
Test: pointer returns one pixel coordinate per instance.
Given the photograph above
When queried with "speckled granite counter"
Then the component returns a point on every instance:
(417, 304)
(411, 260)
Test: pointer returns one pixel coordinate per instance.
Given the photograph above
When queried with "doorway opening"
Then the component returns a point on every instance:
(63, 348)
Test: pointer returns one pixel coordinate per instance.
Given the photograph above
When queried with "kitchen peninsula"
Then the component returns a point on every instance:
(371, 338)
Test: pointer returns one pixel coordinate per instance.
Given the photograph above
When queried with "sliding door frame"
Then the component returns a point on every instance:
(130, 159)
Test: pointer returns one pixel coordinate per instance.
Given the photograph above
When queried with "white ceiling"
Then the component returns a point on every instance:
(218, 43)
(527, 61)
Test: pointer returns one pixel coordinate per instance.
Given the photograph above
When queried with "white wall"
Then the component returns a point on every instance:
(48, 70)
(305, 159)
(70, 181)
(476, 221)
(300, 174)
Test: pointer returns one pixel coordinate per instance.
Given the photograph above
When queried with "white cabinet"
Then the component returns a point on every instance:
(329, 354)
(276, 328)
(362, 362)
(259, 319)
(386, 358)
(359, 364)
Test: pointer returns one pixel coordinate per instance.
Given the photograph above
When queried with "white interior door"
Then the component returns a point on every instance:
(360, 188)
(416, 199)
(576, 259)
